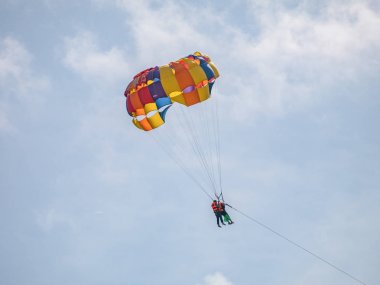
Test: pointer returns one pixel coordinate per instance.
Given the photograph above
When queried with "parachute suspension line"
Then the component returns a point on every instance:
(299, 246)
(217, 128)
(194, 131)
(194, 141)
(184, 130)
(208, 120)
(181, 131)
(212, 130)
(180, 165)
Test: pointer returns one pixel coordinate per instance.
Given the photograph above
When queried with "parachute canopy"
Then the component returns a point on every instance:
(187, 81)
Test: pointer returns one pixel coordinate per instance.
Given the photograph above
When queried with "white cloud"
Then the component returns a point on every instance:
(16, 73)
(18, 81)
(275, 71)
(342, 34)
(216, 279)
(83, 55)
(13, 57)
(296, 53)
(170, 29)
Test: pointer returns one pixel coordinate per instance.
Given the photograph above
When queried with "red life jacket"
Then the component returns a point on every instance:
(221, 207)
(215, 206)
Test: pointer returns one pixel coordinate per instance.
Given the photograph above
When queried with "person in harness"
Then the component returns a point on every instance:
(223, 212)
(218, 214)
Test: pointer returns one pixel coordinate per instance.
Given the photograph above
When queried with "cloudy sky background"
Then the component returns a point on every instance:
(86, 199)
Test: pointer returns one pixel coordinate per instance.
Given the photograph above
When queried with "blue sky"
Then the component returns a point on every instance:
(85, 198)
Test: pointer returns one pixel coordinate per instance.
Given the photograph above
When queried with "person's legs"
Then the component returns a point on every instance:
(227, 218)
(221, 218)
(217, 215)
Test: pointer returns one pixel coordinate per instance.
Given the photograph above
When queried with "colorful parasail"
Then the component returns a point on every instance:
(187, 81)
